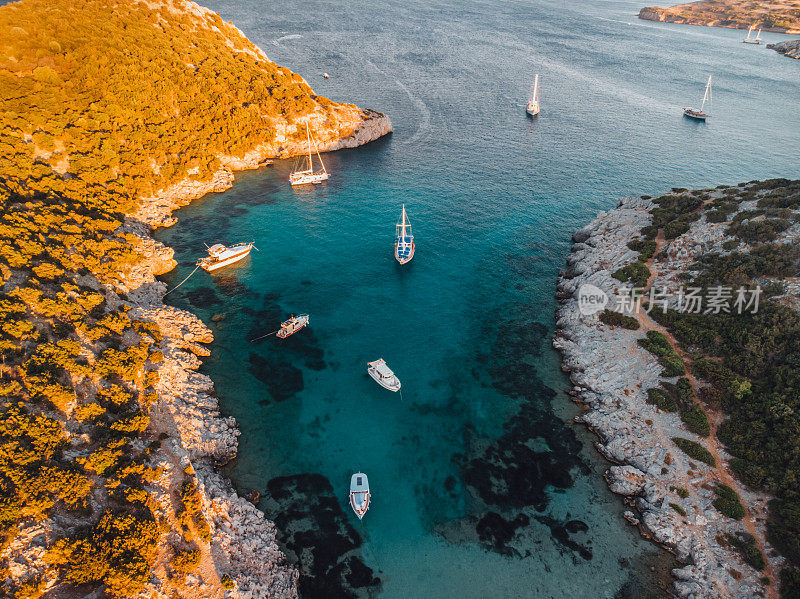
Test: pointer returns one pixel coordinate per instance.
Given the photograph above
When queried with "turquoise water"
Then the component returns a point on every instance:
(481, 486)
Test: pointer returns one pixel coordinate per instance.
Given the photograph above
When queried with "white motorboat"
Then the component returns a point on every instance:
(309, 175)
(359, 494)
(220, 255)
(533, 103)
(291, 326)
(383, 375)
(750, 39)
(404, 243)
(698, 114)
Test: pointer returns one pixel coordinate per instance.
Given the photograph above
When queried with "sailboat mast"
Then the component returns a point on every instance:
(403, 225)
(707, 95)
(308, 138)
(536, 87)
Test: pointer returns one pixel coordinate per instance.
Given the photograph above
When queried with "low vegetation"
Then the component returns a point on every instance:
(617, 319)
(103, 104)
(694, 451)
(751, 361)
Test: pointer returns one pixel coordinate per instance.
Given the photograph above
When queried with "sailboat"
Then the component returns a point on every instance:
(533, 104)
(359, 494)
(404, 244)
(696, 114)
(309, 175)
(752, 40)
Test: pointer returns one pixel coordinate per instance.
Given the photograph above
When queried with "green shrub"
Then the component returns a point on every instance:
(728, 503)
(662, 400)
(617, 319)
(636, 273)
(694, 450)
(678, 508)
(696, 420)
(746, 545)
(226, 582)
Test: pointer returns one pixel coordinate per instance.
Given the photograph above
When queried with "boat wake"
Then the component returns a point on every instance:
(293, 36)
(425, 121)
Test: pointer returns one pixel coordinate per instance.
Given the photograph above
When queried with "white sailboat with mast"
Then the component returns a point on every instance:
(404, 244)
(533, 103)
(309, 175)
(752, 40)
(699, 115)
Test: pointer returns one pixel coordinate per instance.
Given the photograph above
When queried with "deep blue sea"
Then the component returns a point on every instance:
(482, 487)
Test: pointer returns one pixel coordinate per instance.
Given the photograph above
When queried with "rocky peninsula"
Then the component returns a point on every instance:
(778, 17)
(672, 487)
(122, 496)
(790, 48)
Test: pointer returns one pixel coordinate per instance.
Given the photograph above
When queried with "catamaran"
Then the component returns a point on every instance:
(752, 40)
(309, 175)
(359, 494)
(699, 115)
(533, 104)
(404, 243)
(383, 375)
(291, 326)
(220, 255)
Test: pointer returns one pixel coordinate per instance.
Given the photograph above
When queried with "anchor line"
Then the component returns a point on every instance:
(262, 336)
(182, 282)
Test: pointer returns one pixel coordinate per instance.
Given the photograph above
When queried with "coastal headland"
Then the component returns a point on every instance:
(780, 16)
(112, 118)
(678, 394)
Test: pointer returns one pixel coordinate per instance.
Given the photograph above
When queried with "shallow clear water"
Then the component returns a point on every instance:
(480, 485)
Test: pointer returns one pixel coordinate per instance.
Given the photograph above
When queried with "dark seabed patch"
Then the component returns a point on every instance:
(280, 377)
(202, 297)
(230, 286)
(562, 533)
(318, 537)
(536, 452)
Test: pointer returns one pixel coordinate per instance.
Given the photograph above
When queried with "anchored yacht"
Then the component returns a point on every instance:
(220, 255)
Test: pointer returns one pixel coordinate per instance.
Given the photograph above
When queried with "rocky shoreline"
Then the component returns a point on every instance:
(611, 374)
(790, 48)
(197, 437)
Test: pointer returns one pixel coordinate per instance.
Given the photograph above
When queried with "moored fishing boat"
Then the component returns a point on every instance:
(383, 375)
(533, 103)
(309, 175)
(404, 243)
(220, 255)
(359, 494)
(291, 326)
(698, 114)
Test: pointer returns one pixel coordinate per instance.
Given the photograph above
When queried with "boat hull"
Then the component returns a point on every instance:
(288, 329)
(226, 262)
(697, 116)
(359, 494)
(404, 259)
(532, 110)
(308, 178)
(392, 384)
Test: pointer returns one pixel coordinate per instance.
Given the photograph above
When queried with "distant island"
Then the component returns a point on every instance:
(114, 114)
(687, 363)
(778, 16)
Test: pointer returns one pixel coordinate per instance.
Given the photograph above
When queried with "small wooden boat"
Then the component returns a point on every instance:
(533, 103)
(404, 242)
(291, 326)
(309, 175)
(220, 255)
(698, 114)
(383, 375)
(359, 494)
(752, 40)
(326, 75)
